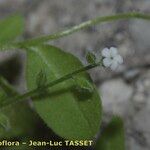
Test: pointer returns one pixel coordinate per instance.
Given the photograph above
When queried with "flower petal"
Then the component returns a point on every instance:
(113, 51)
(106, 52)
(114, 65)
(119, 59)
(107, 62)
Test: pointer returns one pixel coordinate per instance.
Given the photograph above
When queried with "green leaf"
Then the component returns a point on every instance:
(112, 138)
(10, 28)
(91, 58)
(4, 122)
(68, 114)
(83, 85)
(21, 118)
(41, 79)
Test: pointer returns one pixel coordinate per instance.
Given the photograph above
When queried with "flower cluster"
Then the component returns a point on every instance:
(111, 58)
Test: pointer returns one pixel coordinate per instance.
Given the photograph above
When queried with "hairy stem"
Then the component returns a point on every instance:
(40, 40)
(83, 25)
(36, 91)
(8, 89)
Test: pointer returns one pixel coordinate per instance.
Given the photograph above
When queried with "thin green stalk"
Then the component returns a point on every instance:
(36, 91)
(83, 25)
(8, 46)
(8, 89)
(58, 35)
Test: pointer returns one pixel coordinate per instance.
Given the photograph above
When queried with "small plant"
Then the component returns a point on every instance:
(63, 95)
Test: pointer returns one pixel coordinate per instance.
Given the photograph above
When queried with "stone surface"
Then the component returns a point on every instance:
(116, 96)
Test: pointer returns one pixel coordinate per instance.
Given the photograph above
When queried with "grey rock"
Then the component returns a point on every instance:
(116, 97)
(142, 86)
(141, 123)
(140, 32)
(57, 15)
(134, 145)
(131, 73)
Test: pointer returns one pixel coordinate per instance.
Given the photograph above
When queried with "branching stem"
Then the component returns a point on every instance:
(83, 25)
(36, 91)
(41, 40)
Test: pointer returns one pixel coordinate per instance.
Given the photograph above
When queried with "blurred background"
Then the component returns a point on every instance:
(125, 92)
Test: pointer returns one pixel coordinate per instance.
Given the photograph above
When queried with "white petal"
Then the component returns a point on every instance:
(114, 65)
(113, 51)
(106, 52)
(119, 59)
(107, 62)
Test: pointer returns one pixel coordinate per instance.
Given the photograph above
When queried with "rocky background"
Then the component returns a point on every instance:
(125, 92)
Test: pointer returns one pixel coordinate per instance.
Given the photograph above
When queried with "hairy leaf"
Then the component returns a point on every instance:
(90, 57)
(4, 122)
(41, 79)
(83, 85)
(112, 137)
(10, 28)
(70, 114)
(21, 118)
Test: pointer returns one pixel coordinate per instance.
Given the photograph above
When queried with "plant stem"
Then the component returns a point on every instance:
(8, 89)
(36, 91)
(83, 25)
(39, 40)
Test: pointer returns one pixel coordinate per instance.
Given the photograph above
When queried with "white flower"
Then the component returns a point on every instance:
(111, 58)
